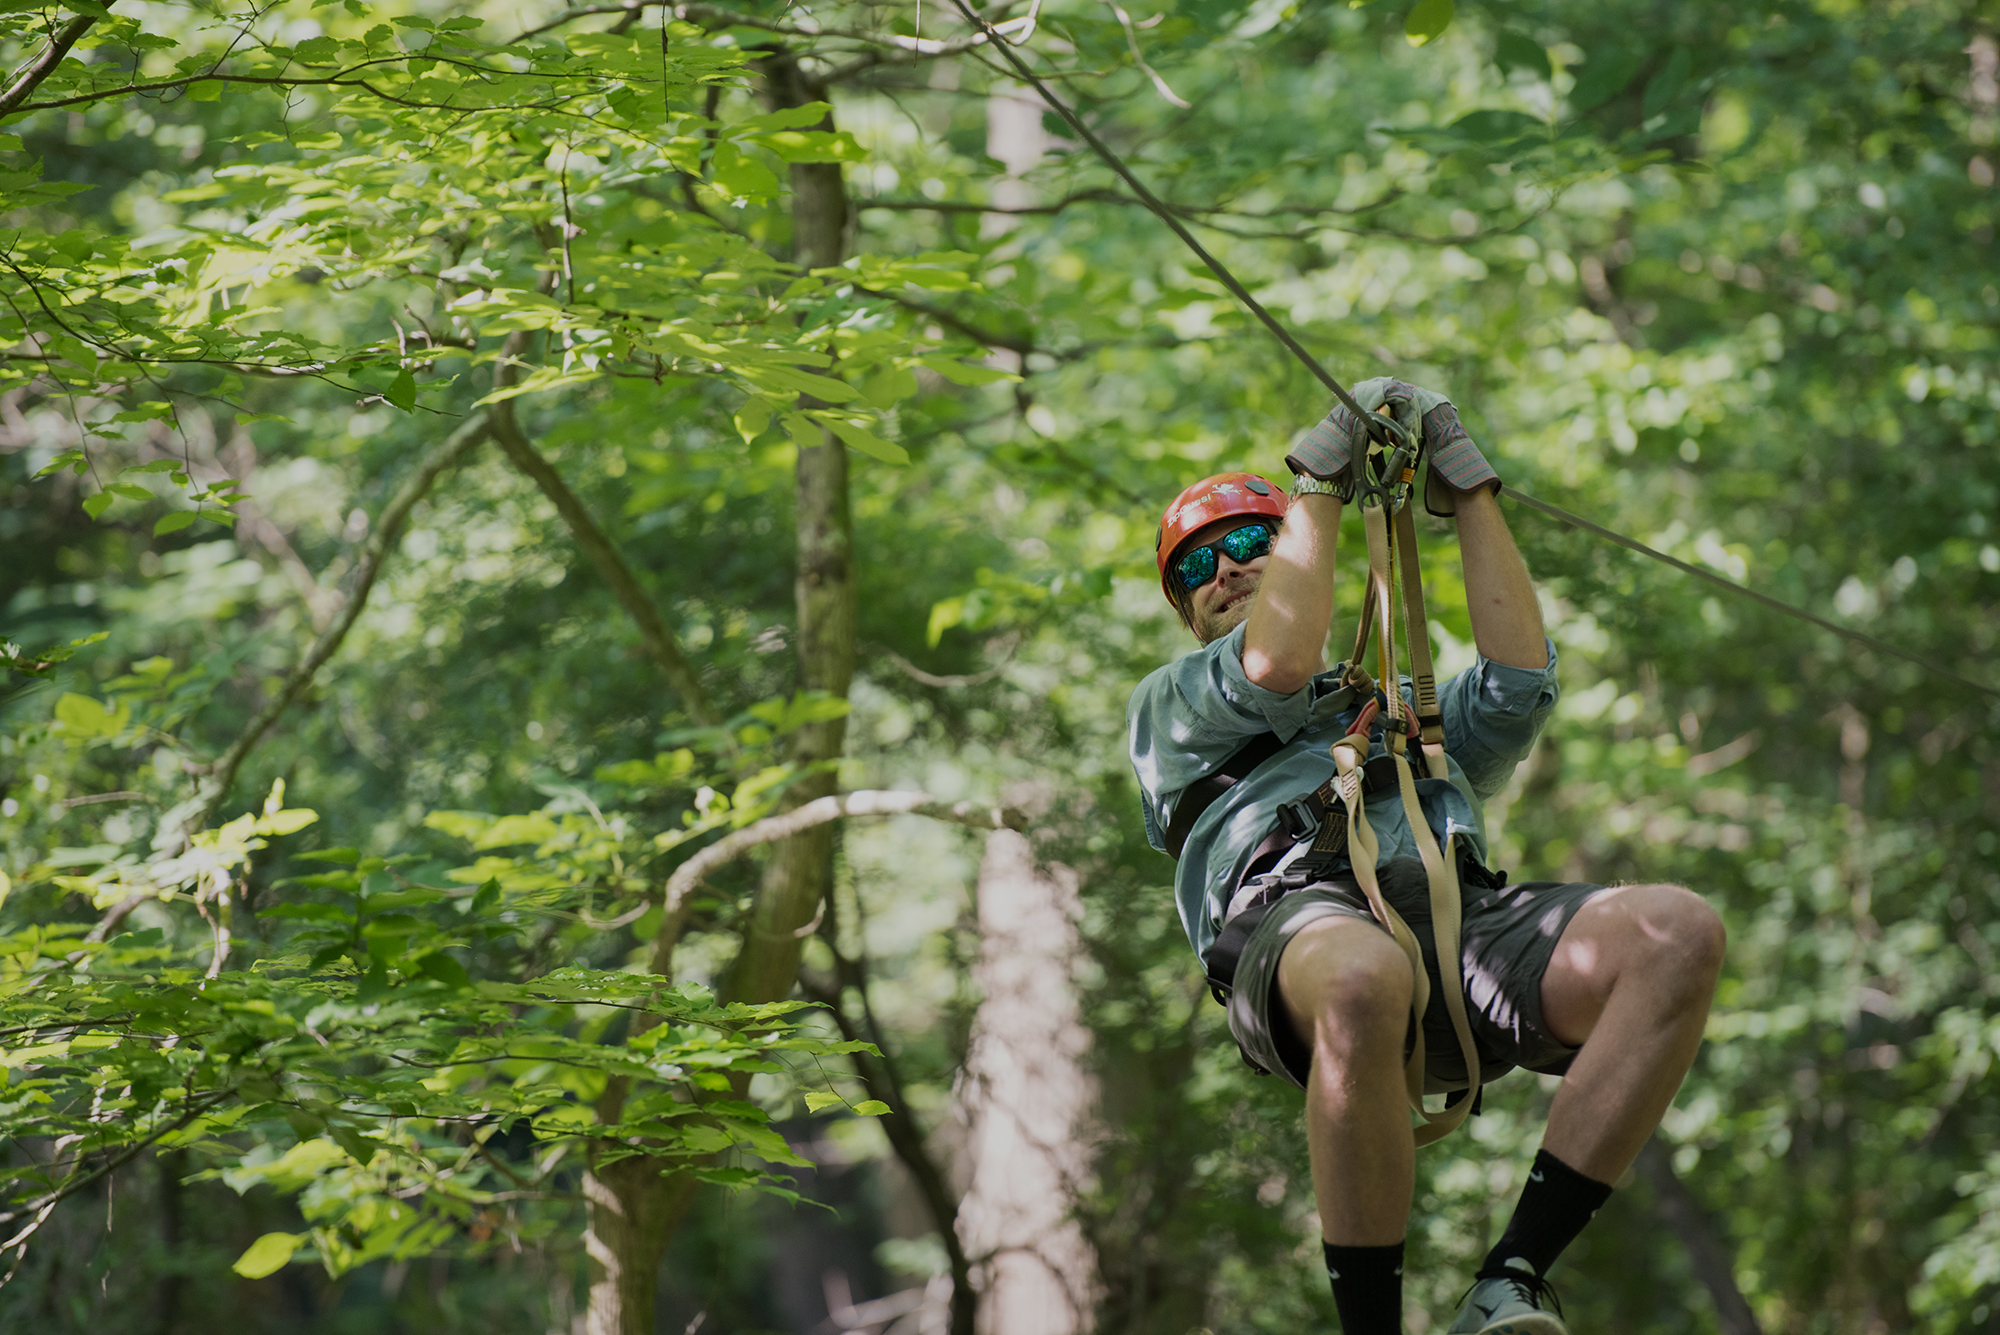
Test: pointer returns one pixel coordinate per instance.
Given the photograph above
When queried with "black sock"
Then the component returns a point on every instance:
(1367, 1288)
(1555, 1205)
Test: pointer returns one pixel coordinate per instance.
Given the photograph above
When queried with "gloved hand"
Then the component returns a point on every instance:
(1455, 461)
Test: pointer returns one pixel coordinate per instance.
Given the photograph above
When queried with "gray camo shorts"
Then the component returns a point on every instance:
(1507, 938)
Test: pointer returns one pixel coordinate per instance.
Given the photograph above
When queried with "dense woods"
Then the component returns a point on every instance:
(570, 579)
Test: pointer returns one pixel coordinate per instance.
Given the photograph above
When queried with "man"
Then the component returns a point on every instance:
(1609, 986)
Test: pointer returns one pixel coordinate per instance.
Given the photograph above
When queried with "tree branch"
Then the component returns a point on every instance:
(45, 64)
(1011, 342)
(659, 641)
(1708, 1254)
(689, 875)
(387, 529)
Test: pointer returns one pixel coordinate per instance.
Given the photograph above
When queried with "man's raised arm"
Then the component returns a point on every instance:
(1506, 617)
(1284, 643)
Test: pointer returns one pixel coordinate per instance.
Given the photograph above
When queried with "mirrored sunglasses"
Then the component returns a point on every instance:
(1197, 565)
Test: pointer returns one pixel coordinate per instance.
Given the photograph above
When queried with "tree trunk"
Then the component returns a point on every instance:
(800, 870)
(1708, 1254)
(1028, 1097)
(633, 1209)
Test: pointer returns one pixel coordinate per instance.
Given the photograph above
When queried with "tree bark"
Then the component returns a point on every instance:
(1028, 1098)
(1707, 1253)
(633, 1210)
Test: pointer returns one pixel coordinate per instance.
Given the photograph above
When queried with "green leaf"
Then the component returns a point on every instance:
(445, 970)
(1515, 52)
(1605, 74)
(402, 391)
(268, 1254)
(210, 90)
(753, 419)
(74, 351)
(889, 386)
(814, 146)
(961, 373)
(741, 176)
(361, 1147)
(1665, 85)
(1494, 127)
(1428, 19)
(172, 522)
(66, 459)
(817, 1101)
(345, 857)
(97, 504)
(944, 615)
(486, 898)
(871, 1108)
(864, 442)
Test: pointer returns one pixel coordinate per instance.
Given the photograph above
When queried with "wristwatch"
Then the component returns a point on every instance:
(1304, 484)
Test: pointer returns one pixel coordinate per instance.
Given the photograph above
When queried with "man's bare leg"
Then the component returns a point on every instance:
(1631, 982)
(1346, 988)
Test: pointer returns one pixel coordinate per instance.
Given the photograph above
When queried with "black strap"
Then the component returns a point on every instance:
(1200, 795)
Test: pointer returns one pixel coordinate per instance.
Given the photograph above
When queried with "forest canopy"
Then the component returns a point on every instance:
(557, 560)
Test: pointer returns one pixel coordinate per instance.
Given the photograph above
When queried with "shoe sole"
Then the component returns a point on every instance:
(1541, 1323)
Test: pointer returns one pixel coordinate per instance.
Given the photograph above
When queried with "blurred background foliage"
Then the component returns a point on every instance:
(1720, 277)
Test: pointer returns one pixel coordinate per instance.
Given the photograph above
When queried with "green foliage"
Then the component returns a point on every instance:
(1717, 277)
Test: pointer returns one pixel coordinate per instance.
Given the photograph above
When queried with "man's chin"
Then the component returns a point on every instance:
(1219, 624)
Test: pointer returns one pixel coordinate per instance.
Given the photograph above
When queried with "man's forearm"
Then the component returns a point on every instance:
(1506, 618)
(1284, 642)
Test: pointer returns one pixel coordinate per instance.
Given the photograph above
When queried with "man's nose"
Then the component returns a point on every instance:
(1226, 568)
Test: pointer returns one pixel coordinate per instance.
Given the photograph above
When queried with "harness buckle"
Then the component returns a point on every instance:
(1298, 819)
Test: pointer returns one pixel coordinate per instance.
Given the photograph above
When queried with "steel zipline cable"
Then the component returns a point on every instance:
(1166, 215)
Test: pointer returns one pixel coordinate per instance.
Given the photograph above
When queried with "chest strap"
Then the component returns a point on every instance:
(1200, 795)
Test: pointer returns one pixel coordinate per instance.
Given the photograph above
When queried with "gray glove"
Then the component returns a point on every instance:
(1455, 461)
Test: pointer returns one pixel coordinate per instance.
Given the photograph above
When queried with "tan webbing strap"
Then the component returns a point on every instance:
(1440, 867)
(1417, 630)
(1349, 753)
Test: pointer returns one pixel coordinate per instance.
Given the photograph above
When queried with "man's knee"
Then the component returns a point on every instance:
(1347, 980)
(1674, 929)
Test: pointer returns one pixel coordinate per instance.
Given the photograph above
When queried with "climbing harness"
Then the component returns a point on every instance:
(1374, 423)
(1384, 491)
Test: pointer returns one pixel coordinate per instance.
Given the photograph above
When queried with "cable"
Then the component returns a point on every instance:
(1166, 215)
(1859, 637)
(1284, 336)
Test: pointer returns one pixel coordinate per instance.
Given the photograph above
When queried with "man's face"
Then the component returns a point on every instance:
(1220, 605)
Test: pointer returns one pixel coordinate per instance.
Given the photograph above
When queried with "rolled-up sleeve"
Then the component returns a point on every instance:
(1493, 715)
(1191, 714)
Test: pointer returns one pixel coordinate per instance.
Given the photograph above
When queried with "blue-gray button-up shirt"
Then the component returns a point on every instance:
(1188, 717)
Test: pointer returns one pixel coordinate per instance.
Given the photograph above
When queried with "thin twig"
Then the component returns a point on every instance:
(653, 630)
(388, 528)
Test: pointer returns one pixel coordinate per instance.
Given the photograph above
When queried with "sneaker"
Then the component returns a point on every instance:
(1514, 1301)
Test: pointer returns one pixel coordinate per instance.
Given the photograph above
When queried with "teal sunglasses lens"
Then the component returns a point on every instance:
(1243, 545)
(1196, 568)
(1247, 543)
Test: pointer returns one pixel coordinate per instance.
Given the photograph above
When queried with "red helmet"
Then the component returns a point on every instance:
(1208, 500)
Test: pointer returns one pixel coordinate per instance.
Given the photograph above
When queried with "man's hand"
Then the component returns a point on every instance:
(1455, 461)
